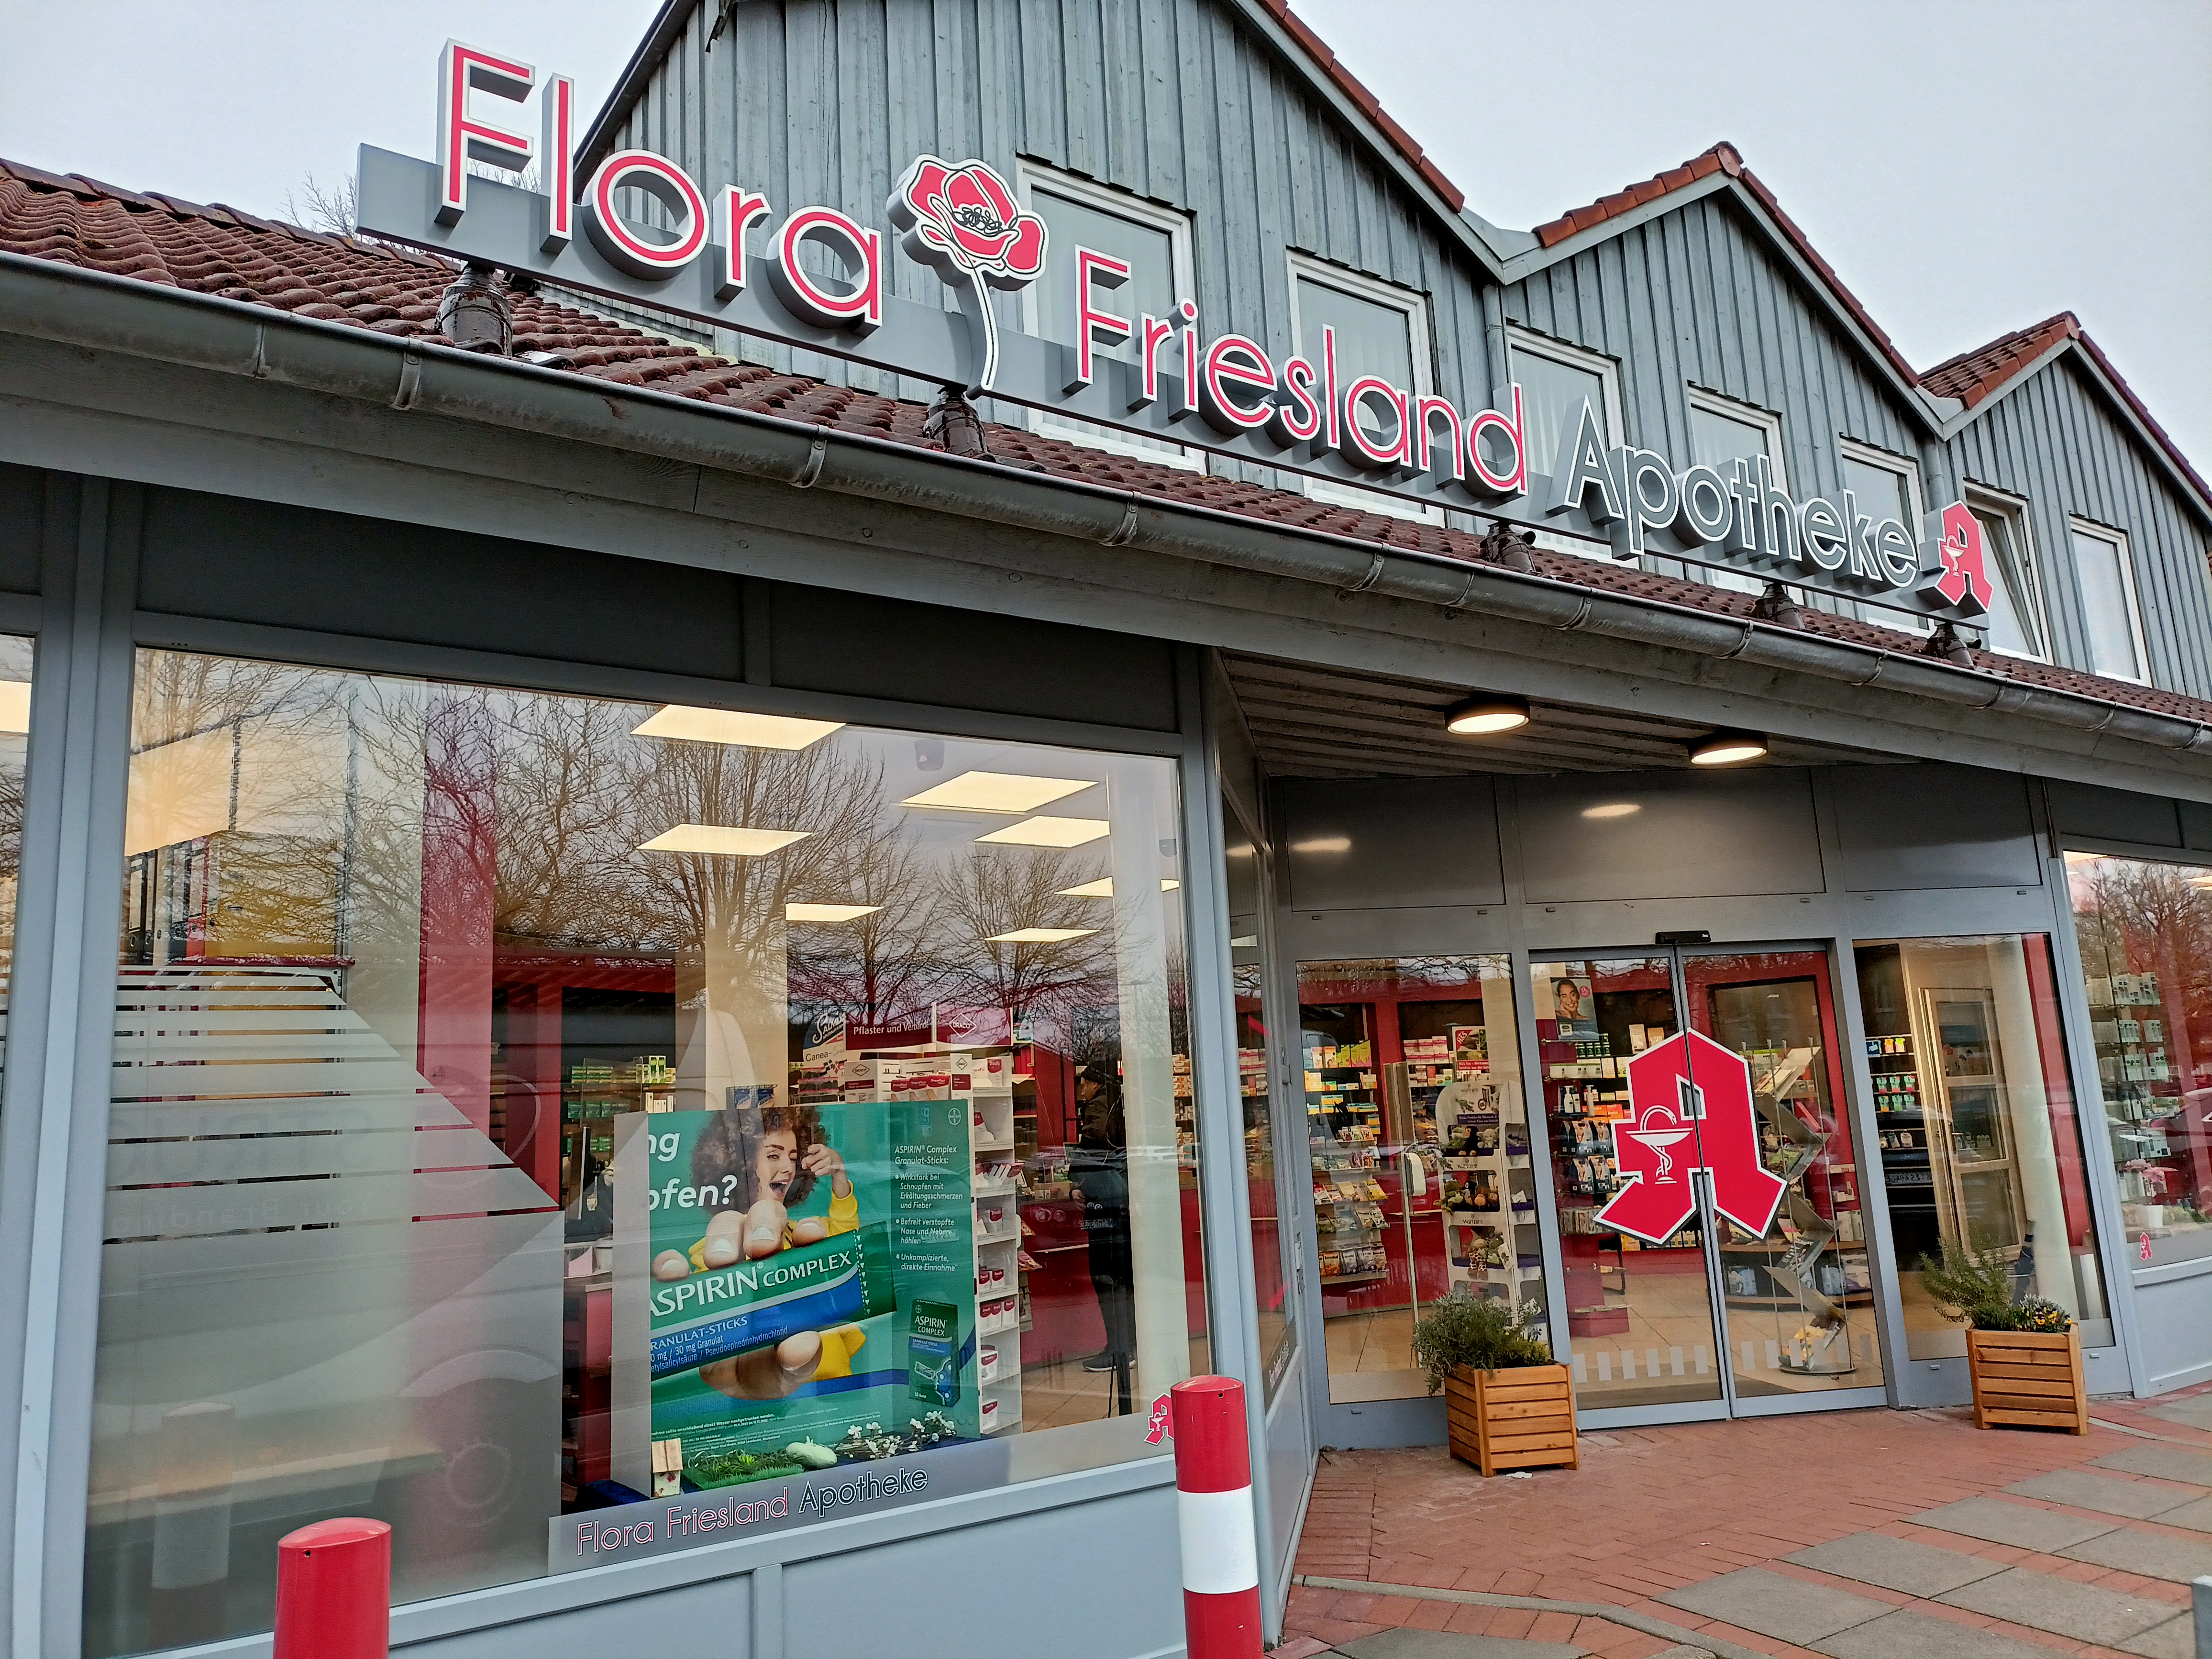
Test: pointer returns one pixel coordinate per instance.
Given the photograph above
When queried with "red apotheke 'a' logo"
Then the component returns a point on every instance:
(961, 221)
(1966, 578)
(1690, 1108)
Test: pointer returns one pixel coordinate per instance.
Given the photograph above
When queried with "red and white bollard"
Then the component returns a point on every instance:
(1213, 1500)
(334, 1591)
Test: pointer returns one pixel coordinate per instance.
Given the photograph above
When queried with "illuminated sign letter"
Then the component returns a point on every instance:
(1223, 369)
(1094, 327)
(1648, 483)
(1821, 528)
(736, 212)
(1704, 508)
(1579, 467)
(1358, 447)
(625, 246)
(1424, 415)
(1481, 476)
(860, 307)
(1298, 414)
(462, 70)
(557, 155)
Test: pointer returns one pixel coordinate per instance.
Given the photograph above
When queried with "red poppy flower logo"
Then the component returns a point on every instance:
(964, 223)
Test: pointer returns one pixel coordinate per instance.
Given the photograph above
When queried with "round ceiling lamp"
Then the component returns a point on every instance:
(1486, 715)
(1727, 749)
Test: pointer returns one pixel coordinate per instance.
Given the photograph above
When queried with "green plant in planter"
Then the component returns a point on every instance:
(1979, 1288)
(1479, 1332)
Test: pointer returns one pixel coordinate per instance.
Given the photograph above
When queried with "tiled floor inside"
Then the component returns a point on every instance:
(1865, 1535)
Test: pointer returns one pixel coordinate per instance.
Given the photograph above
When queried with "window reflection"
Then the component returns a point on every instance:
(418, 980)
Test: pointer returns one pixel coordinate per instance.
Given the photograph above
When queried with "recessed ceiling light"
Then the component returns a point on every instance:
(691, 724)
(1040, 936)
(1485, 715)
(798, 912)
(719, 838)
(1727, 749)
(1323, 844)
(996, 792)
(15, 705)
(1049, 832)
(1613, 809)
(1104, 888)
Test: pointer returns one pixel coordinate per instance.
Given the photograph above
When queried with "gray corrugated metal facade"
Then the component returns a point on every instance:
(1206, 108)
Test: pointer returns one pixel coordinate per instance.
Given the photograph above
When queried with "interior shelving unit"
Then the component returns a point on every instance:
(1344, 1123)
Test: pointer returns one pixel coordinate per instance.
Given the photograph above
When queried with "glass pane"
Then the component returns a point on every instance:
(1879, 492)
(1151, 289)
(1419, 1137)
(2106, 612)
(474, 1048)
(2007, 572)
(1550, 391)
(2145, 932)
(1715, 442)
(1799, 1298)
(1371, 338)
(1246, 904)
(1978, 1141)
(1639, 1314)
(15, 654)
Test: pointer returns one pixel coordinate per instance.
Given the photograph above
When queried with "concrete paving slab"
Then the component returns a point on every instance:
(2060, 1605)
(1874, 1558)
(2195, 1413)
(2197, 1517)
(2162, 1462)
(1442, 1645)
(2147, 1555)
(2174, 1639)
(1908, 1635)
(1995, 1521)
(1774, 1604)
(2085, 1489)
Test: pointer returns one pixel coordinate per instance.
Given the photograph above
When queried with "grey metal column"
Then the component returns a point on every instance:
(1216, 1103)
(72, 862)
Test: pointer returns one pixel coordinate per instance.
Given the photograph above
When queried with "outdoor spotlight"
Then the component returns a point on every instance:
(1481, 716)
(1727, 748)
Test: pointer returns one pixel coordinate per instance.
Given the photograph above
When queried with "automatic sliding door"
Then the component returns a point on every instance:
(1639, 1311)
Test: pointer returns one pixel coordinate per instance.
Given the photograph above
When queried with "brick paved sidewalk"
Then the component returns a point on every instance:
(2040, 1541)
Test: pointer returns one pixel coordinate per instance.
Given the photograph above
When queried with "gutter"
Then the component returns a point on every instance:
(72, 305)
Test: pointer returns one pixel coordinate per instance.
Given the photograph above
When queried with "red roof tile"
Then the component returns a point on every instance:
(73, 221)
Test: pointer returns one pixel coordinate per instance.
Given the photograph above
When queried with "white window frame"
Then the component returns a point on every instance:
(1607, 370)
(2078, 526)
(1029, 176)
(1867, 455)
(1769, 422)
(2028, 591)
(1305, 268)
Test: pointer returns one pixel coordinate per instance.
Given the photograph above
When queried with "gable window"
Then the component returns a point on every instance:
(1885, 486)
(1381, 330)
(2015, 623)
(1155, 242)
(1556, 380)
(2109, 619)
(1723, 431)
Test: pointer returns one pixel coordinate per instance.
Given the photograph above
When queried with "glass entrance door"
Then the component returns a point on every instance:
(1707, 1187)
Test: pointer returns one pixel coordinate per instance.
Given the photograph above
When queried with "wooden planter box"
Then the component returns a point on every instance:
(1512, 1420)
(2029, 1378)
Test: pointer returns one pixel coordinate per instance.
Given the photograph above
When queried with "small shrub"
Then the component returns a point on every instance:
(1975, 1287)
(1479, 1332)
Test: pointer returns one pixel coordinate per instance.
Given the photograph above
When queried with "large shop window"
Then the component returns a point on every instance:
(565, 1129)
(2145, 933)
(1980, 1147)
(1420, 1145)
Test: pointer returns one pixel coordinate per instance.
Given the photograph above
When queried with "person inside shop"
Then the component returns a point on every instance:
(1099, 1167)
(778, 1154)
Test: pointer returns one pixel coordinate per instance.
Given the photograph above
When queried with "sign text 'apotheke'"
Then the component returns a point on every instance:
(727, 259)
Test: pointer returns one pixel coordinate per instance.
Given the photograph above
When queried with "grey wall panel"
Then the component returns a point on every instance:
(2084, 810)
(2056, 441)
(713, 1620)
(1391, 842)
(22, 491)
(239, 560)
(1093, 1583)
(2195, 824)
(1934, 826)
(865, 646)
(1687, 835)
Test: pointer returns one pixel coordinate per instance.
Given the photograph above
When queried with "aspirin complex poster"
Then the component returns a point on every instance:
(810, 1286)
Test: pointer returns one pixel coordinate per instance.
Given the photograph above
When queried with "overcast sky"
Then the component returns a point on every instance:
(1966, 167)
